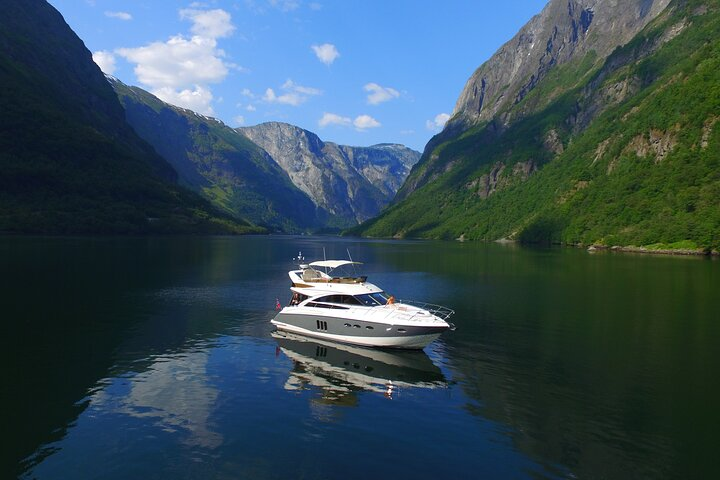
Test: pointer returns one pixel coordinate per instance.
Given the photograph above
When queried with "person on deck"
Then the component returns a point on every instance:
(295, 299)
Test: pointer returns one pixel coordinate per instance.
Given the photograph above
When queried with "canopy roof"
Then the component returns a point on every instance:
(333, 263)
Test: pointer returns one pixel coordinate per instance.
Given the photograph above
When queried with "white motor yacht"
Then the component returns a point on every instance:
(349, 309)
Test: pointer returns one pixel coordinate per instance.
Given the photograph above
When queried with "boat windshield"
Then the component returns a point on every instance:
(373, 299)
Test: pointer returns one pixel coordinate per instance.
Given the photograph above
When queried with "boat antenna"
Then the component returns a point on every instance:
(325, 258)
(353, 263)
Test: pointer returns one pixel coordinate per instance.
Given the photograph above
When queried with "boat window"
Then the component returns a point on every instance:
(342, 299)
(372, 299)
(381, 297)
(349, 300)
(297, 298)
(325, 305)
(367, 300)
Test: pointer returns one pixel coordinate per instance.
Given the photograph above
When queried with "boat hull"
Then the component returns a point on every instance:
(358, 332)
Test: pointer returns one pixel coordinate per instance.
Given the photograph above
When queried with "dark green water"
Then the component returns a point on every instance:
(153, 358)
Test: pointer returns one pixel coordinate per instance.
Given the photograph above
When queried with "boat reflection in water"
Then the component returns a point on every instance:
(340, 371)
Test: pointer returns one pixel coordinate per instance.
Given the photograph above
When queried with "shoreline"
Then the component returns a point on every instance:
(660, 251)
(592, 248)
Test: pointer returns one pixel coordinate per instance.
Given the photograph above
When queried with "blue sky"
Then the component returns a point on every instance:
(354, 72)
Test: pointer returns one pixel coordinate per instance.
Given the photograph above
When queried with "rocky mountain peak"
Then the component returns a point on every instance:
(292, 135)
(563, 31)
(352, 183)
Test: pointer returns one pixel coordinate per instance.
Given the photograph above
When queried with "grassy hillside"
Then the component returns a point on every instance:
(69, 163)
(626, 152)
(221, 164)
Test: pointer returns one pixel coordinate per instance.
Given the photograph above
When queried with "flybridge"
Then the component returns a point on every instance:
(310, 273)
(328, 265)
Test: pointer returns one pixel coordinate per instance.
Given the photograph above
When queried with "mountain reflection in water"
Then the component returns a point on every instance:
(155, 358)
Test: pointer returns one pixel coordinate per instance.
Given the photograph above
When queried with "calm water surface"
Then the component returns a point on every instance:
(154, 358)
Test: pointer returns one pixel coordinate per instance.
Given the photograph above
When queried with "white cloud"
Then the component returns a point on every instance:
(198, 99)
(119, 15)
(247, 93)
(105, 60)
(407, 132)
(179, 62)
(180, 69)
(378, 94)
(209, 23)
(438, 123)
(363, 122)
(294, 94)
(334, 119)
(326, 53)
(292, 86)
(250, 108)
(270, 95)
(315, 6)
(239, 120)
(290, 98)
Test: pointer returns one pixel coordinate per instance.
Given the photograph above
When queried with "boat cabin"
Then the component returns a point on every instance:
(318, 285)
(341, 301)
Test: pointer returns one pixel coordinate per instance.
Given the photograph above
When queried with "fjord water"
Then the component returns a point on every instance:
(154, 358)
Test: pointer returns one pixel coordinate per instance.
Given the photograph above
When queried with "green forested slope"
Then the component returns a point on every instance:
(623, 152)
(69, 163)
(221, 164)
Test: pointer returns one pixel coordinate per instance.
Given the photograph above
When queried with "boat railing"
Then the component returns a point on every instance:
(349, 280)
(437, 310)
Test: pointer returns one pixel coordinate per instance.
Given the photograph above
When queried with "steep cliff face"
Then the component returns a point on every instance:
(69, 162)
(572, 36)
(220, 164)
(563, 31)
(385, 165)
(352, 183)
(603, 136)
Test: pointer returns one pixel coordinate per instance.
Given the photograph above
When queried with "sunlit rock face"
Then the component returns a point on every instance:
(353, 183)
(567, 33)
(563, 31)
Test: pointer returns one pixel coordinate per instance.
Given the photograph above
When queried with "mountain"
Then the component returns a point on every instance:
(274, 174)
(593, 125)
(69, 163)
(560, 34)
(385, 165)
(220, 164)
(352, 183)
